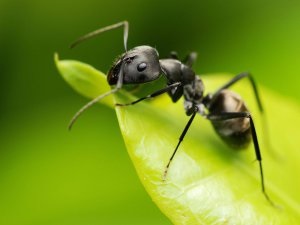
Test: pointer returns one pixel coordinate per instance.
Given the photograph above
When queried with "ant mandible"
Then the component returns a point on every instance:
(225, 109)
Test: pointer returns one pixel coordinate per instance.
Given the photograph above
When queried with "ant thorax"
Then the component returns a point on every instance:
(193, 96)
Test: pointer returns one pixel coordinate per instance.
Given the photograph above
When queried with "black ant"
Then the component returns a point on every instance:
(225, 109)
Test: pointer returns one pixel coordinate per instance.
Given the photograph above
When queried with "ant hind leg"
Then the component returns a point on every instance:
(233, 115)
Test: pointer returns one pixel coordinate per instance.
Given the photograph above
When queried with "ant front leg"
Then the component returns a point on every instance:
(233, 115)
(156, 93)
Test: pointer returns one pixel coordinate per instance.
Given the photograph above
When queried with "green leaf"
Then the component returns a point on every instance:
(207, 182)
(83, 78)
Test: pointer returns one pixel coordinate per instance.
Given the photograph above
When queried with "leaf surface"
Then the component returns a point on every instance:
(207, 182)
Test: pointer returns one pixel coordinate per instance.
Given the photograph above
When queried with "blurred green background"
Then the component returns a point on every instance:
(50, 176)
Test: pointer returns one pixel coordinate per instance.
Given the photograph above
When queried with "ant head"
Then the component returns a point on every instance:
(139, 65)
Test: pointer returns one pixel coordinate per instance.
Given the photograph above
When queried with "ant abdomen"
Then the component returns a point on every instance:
(235, 132)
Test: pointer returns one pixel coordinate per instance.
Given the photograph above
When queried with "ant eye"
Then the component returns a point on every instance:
(141, 67)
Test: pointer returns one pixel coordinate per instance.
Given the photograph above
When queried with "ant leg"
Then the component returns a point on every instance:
(233, 115)
(187, 126)
(190, 59)
(156, 93)
(233, 81)
(258, 100)
(173, 55)
(101, 30)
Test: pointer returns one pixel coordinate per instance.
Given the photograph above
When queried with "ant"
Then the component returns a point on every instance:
(225, 109)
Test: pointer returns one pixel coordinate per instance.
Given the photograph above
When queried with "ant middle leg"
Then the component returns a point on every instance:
(186, 128)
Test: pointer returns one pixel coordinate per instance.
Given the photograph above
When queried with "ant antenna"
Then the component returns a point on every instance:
(95, 100)
(120, 75)
(101, 30)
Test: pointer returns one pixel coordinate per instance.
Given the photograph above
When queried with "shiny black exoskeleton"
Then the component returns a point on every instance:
(225, 109)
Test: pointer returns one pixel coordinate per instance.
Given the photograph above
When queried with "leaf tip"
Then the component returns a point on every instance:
(56, 58)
